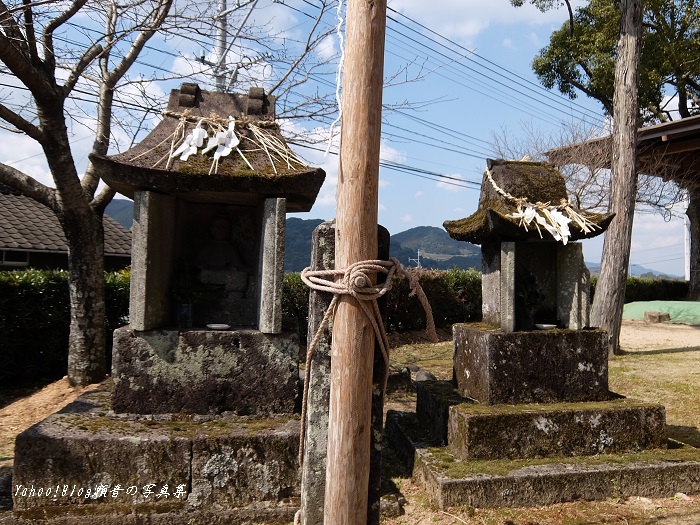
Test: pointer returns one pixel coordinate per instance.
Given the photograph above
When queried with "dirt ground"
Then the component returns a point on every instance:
(637, 338)
(23, 413)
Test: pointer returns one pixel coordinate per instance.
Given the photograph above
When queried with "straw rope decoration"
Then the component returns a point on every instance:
(355, 281)
(222, 137)
(553, 218)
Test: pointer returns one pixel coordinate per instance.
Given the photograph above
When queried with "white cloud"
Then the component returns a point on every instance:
(406, 218)
(534, 40)
(419, 194)
(24, 154)
(391, 154)
(464, 20)
(328, 48)
(451, 185)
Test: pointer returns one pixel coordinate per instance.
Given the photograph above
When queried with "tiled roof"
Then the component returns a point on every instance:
(27, 225)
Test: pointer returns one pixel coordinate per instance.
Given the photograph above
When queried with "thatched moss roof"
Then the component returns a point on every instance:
(536, 181)
(149, 166)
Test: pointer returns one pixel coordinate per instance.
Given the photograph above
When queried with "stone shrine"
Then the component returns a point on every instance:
(205, 378)
(528, 413)
(529, 281)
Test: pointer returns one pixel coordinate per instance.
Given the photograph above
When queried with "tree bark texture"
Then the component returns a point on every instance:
(87, 339)
(82, 226)
(693, 213)
(352, 352)
(610, 290)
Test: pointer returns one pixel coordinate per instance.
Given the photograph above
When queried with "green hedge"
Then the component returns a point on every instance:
(646, 289)
(34, 311)
(35, 319)
(454, 295)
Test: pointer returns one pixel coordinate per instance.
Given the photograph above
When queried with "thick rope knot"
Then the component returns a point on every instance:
(356, 281)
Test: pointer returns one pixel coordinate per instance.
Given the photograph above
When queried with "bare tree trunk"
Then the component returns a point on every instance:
(693, 213)
(87, 341)
(610, 291)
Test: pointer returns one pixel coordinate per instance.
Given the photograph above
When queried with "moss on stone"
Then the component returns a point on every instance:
(177, 427)
(533, 181)
(441, 459)
(613, 404)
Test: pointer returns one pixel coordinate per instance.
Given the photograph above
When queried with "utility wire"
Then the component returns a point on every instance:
(518, 79)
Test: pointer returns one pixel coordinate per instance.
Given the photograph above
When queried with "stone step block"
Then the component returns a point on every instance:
(433, 402)
(162, 463)
(205, 372)
(559, 429)
(657, 317)
(451, 481)
(477, 431)
(542, 366)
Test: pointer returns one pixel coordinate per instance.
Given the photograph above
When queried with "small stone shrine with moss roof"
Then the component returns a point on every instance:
(528, 418)
(199, 418)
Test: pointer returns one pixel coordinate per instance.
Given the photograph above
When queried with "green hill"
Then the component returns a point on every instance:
(297, 243)
(438, 249)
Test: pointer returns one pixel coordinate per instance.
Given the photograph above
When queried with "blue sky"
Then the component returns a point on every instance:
(474, 107)
(473, 60)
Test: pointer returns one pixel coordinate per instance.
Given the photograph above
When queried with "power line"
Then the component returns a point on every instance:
(410, 170)
(520, 80)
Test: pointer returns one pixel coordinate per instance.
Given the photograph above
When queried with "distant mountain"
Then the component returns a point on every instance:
(438, 250)
(635, 270)
(297, 243)
(122, 211)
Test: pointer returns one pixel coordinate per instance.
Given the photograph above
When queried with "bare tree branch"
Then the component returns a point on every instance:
(312, 42)
(12, 30)
(21, 124)
(47, 38)
(29, 186)
(100, 202)
(88, 57)
(29, 31)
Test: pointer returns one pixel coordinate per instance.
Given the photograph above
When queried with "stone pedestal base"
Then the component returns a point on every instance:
(474, 431)
(83, 456)
(544, 366)
(450, 482)
(245, 372)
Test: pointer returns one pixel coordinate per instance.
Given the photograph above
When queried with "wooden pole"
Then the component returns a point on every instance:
(352, 350)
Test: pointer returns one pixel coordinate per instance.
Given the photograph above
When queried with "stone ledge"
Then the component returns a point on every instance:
(433, 402)
(222, 463)
(204, 371)
(138, 515)
(559, 429)
(523, 483)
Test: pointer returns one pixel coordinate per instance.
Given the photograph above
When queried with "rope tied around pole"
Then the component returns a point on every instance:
(356, 281)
